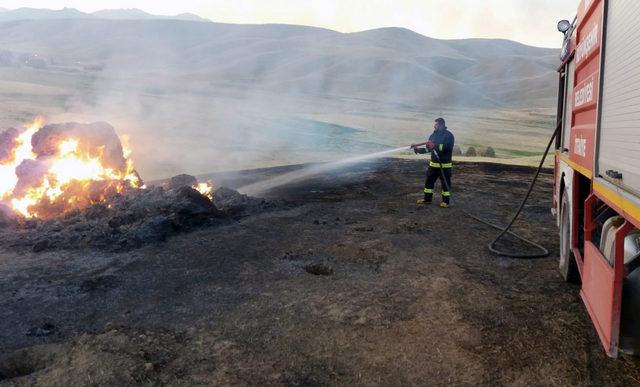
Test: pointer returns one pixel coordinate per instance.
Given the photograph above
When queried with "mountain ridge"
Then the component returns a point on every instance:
(28, 13)
(390, 64)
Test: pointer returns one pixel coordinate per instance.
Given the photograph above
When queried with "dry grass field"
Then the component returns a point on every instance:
(342, 281)
(172, 131)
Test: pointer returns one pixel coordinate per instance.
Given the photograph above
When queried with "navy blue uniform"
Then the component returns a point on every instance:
(440, 164)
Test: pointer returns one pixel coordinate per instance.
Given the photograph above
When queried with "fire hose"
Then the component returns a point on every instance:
(544, 252)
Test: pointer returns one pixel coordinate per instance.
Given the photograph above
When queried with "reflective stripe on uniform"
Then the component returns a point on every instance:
(434, 164)
(428, 190)
(441, 147)
(446, 193)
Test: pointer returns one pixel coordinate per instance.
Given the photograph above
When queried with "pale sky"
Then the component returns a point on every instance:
(528, 21)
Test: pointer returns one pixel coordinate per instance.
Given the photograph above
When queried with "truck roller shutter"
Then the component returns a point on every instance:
(619, 149)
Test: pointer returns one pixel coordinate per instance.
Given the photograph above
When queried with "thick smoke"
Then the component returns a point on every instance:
(8, 142)
(203, 97)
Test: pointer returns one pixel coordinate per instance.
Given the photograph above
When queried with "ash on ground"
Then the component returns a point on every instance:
(132, 220)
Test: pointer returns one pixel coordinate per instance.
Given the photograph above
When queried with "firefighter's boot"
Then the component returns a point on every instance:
(428, 197)
(446, 198)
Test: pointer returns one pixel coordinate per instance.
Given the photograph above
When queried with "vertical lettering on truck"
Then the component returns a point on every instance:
(584, 95)
(580, 147)
(586, 46)
(589, 29)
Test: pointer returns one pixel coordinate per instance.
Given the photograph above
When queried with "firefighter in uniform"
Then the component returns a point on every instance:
(440, 145)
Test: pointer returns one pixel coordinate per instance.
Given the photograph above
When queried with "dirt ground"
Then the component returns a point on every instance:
(347, 283)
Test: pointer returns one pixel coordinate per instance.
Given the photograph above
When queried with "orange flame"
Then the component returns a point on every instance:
(205, 188)
(8, 177)
(73, 179)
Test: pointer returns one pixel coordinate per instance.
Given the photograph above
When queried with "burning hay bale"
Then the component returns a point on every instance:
(228, 200)
(94, 141)
(48, 171)
(131, 220)
(66, 186)
(120, 223)
(182, 181)
(234, 203)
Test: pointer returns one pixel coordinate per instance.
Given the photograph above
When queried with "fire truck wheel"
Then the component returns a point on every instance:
(568, 266)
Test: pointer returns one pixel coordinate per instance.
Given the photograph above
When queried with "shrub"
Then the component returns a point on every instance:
(489, 152)
(471, 152)
(457, 151)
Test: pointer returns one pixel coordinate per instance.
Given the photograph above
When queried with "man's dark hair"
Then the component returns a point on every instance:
(440, 121)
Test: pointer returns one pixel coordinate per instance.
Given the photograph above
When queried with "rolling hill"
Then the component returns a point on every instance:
(72, 13)
(204, 96)
(40, 14)
(383, 64)
(138, 14)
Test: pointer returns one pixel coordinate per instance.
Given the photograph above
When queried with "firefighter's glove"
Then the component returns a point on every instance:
(430, 145)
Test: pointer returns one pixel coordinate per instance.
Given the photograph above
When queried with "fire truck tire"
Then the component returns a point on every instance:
(568, 266)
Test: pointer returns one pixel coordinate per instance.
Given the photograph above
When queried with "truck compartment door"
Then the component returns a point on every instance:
(618, 158)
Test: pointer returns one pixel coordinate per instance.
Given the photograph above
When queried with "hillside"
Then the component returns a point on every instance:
(389, 63)
(71, 13)
(197, 97)
(40, 14)
(137, 14)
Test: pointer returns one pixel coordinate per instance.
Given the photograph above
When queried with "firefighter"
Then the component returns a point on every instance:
(440, 145)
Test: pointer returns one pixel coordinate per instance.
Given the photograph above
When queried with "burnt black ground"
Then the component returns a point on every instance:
(348, 283)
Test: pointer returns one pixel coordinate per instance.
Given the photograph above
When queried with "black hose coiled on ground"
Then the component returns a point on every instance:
(505, 230)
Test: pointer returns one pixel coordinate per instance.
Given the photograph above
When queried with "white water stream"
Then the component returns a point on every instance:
(313, 170)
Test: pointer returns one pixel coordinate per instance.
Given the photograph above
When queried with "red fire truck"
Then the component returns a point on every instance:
(597, 166)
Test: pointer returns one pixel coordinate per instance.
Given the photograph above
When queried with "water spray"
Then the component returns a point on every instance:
(313, 170)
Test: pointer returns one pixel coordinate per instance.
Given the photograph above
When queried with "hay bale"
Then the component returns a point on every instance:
(183, 180)
(98, 139)
(457, 151)
(471, 152)
(489, 152)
